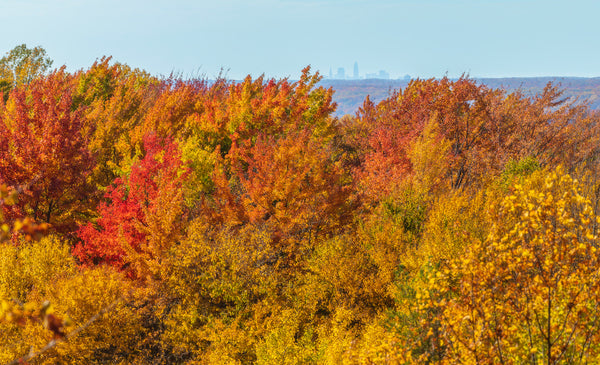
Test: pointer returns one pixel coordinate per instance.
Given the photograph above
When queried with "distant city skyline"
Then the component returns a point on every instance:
(380, 74)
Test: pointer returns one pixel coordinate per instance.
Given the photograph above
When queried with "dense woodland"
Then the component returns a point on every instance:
(153, 220)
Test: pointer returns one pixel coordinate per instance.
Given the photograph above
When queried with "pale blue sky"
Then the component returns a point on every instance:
(427, 38)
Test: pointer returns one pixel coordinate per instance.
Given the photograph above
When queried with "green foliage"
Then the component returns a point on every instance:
(409, 208)
(290, 342)
(21, 65)
(516, 171)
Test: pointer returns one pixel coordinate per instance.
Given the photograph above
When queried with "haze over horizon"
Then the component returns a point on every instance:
(424, 39)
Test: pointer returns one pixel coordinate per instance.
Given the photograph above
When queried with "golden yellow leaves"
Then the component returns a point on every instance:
(526, 293)
(12, 312)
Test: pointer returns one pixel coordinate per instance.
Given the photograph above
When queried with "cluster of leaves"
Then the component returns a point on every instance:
(202, 222)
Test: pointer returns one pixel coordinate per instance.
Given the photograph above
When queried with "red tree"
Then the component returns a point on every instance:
(142, 213)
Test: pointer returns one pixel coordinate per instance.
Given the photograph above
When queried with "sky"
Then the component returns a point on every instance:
(278, 38)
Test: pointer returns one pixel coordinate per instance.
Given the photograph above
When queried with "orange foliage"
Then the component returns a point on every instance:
(115, 99)
(282, 167)
(45, 152)
(485, 129)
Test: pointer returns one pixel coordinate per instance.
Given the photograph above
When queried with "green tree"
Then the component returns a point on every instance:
(21, 65)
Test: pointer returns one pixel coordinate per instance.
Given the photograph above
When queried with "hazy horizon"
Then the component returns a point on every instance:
(432, 38)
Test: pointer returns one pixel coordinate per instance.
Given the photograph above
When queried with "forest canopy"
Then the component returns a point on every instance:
(166, 220)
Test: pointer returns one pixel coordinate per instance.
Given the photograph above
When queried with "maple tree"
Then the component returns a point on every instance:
(114, 99)
(140, 219)
(280, 162)
(484, 127)
(45, 152)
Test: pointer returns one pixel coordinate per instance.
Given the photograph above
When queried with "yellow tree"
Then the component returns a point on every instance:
(114, 100)
(530, 291)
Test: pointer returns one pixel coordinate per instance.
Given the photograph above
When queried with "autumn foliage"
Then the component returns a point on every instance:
(164, 220)
(45, 152)
(142, 212)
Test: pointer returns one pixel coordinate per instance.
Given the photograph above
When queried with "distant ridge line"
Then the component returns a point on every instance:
(350, 94)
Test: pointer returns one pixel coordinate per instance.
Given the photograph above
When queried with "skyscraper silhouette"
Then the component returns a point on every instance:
(356, 70)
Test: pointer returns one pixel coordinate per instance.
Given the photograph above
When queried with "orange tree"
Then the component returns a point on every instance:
(485, 128)
(275, 160)
(114, 99)
(44, 152)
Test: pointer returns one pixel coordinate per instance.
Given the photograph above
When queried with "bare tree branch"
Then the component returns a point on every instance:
(70, 335)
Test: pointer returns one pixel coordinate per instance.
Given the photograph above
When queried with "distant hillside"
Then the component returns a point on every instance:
(350, 94)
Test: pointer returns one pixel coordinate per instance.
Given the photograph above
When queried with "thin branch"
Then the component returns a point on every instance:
(71, 334)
